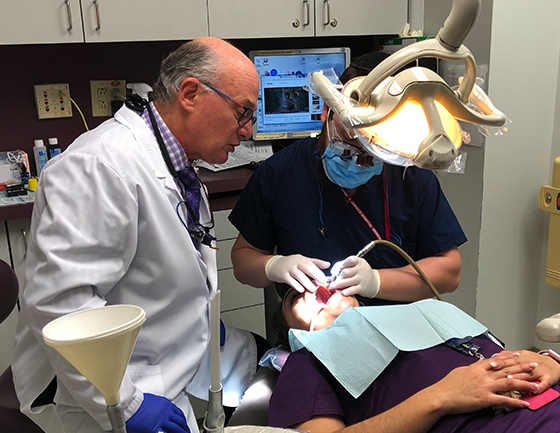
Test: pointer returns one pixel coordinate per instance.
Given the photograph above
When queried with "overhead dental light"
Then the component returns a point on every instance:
(412, 117)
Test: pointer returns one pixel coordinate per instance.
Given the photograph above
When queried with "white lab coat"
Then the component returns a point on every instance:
(105, 230)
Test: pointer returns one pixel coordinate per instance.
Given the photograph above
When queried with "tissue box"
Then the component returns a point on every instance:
(14, 167)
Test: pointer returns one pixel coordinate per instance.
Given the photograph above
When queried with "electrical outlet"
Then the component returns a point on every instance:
(103, 92)
(53, 100)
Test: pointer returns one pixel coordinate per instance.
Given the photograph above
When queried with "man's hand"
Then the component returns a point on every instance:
(355, 277)
(297, 271)
(157, 414)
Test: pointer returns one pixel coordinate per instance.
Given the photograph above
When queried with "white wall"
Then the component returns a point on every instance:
(464, 191)
(511, 294)
(496, 200)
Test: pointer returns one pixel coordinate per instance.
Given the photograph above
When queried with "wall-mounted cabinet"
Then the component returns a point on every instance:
(61, 21)
(137, 20)
(32, 22)
(300, 18)
(67, 21)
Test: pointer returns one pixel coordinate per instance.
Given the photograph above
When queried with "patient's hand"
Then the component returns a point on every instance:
(547, 371)
(467, 389)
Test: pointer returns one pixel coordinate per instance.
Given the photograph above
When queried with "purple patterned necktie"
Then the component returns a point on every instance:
(190, 181)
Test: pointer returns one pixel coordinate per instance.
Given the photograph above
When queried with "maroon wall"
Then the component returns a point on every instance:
(22, 66)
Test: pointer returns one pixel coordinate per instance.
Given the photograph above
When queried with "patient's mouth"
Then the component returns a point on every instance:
(322, 294)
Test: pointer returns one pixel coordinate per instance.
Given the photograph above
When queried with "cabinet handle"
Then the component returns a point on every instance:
(69, 15)
(24, 237)
(326, 12)
(97, 15)
(306, 14)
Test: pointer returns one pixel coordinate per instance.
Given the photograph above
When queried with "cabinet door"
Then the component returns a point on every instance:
(4, 252)
(18, 231)
(234, 19)
(133, 20)
(360, 17)
(36, 22)
(8, 327)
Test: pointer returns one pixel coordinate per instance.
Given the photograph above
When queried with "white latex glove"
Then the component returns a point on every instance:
(297, 271)
(355, 277)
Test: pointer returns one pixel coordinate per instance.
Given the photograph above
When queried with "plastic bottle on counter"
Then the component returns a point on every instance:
(53, 147)
(40, 153)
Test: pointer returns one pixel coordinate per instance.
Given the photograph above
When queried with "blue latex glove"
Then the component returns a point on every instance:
(222, 333)
(157, 414)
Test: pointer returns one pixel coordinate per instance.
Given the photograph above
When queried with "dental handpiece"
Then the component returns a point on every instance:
(359, 254)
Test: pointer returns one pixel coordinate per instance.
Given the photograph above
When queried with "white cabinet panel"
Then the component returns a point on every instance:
(236, 295)
(359, 17)
(8, 327)
(261, 18)
(134, 20)
(223, 255)
(45, 21)
(297, 18)
(242, 306)
(53, 21)
(19, 231)
(223, 228)
(250, 318)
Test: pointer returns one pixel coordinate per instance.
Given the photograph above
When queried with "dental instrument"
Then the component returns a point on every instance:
(359, 254)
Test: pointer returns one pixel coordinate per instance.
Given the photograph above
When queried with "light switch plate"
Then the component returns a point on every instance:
(53, 100)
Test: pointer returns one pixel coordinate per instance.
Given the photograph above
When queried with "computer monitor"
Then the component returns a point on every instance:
(284, 109)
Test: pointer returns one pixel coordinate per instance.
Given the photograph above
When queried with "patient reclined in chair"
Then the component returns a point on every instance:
(305, 382)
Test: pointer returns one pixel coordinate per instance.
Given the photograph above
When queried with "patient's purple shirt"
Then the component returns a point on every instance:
(305, 388)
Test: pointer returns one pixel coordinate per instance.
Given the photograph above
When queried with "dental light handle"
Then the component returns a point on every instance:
(447, 45)
(116, 417)
(459, 23)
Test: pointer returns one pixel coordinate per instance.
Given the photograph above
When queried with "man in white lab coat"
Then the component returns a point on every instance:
(115, 223)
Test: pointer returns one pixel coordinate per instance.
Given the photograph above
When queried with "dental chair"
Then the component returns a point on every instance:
(11, 419)
(253, 408)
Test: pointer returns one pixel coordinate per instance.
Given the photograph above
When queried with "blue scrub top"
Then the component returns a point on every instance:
(288, 200)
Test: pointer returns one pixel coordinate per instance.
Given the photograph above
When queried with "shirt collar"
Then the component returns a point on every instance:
(177, 154)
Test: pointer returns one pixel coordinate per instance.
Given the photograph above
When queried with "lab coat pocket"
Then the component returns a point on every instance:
(147, 378)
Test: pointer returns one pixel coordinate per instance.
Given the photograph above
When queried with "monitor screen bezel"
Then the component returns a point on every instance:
(280, 135)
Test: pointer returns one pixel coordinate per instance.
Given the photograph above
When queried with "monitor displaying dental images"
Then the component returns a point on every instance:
(285, 110)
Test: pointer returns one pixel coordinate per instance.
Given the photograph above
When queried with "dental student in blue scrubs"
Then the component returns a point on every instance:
(321, 200)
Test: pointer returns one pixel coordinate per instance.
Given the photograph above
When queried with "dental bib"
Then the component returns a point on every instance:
(377, 334)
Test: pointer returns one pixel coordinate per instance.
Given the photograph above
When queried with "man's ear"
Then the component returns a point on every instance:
(324, 113)
(189, 90)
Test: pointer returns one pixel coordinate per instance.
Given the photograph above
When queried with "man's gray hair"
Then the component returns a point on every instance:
(192, 59)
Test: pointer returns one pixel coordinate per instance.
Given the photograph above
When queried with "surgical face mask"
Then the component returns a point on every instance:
(345, 172)
(347, 165)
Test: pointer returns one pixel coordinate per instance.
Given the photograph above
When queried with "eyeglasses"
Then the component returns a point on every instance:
(344, 150)
(245, 117)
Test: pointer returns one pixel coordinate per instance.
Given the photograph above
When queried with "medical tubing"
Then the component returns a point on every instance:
(412, 263)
